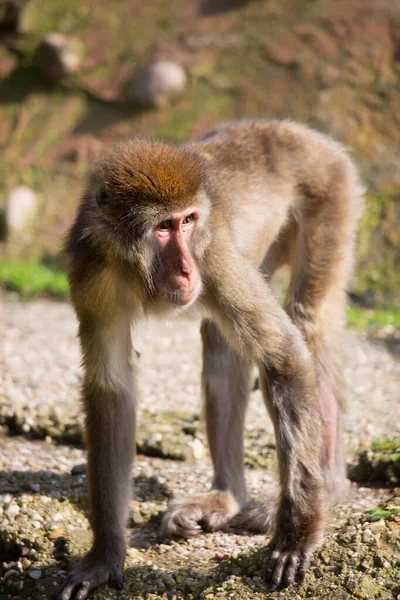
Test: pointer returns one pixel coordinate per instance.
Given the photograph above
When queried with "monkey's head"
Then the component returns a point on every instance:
(151, 214)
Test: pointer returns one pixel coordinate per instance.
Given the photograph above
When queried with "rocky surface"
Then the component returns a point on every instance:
(333, 65)
(43, 496)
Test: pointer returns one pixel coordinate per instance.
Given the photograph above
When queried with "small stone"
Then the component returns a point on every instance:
(350, 529)
(58, 56)
(35, 487)
(21, 205)
(135, 517)
(58, 517)
(364, 566)
(133, 553)
(158, 82)
(36, 524)
(12, 510)
(35, 574)
(367, 536)
(198, 449)
(79, 469)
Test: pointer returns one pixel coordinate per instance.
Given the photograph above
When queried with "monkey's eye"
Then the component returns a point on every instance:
(165, 225)
(188, 219)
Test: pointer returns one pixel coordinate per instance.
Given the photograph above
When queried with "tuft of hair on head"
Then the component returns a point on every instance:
(144, 172)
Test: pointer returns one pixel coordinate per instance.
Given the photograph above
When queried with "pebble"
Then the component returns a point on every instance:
(35, 574)
(58, 517)
(58, 56)
(78, 469)
(153, 85)
(12, 510)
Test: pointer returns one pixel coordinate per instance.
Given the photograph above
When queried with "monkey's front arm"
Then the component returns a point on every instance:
(109, 403)
(256, 325)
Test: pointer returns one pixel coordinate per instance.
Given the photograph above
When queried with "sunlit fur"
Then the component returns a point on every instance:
(267, 193)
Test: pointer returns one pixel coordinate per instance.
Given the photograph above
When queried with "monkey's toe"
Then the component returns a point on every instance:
(207, 512)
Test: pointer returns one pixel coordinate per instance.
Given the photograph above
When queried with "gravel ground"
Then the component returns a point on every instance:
(43, 499)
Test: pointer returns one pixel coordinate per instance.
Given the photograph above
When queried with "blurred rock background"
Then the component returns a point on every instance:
(77, 75)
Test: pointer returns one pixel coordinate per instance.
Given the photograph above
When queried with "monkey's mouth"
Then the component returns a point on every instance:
(183, 297)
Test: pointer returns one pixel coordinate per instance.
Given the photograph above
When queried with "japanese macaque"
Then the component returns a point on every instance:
(200, 229)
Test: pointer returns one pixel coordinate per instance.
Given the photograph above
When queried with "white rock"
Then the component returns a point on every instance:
(198, 448)
(154, 85)
(21, 205)
(12, 510)
(58, 56)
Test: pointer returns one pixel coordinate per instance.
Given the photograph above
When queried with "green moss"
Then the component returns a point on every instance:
(32, 279)
(378, 275)
(385, 445)
(361, 318)
(379, 512)
(380, 463)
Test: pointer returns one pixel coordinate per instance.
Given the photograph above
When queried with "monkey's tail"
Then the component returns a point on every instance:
(258, 516)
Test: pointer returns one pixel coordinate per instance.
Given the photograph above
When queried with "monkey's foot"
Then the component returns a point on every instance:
(90, 572)
(203, 512)
(289, 562)
(258, 516)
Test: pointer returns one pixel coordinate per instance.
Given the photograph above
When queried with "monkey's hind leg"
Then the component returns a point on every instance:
(226, 386)
(316, 300)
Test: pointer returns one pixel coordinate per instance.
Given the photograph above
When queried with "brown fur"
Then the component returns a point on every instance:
(266, 194)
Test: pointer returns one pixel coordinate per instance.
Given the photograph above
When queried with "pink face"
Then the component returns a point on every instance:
(179, 278)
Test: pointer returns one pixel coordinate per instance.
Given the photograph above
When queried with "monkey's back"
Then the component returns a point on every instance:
(261, 172)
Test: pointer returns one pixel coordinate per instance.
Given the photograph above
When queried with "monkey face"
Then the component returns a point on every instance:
(177, 275)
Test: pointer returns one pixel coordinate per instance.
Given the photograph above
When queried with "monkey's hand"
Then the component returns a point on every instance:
(291, 553)
(96, 568)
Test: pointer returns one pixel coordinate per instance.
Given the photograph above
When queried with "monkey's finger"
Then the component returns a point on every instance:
(83, 591)
(292, 566)
(304, 564)
(66, 591)
(279, 567)
(271, 565)
(181, 523)
(117, 581)
(188, 529)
